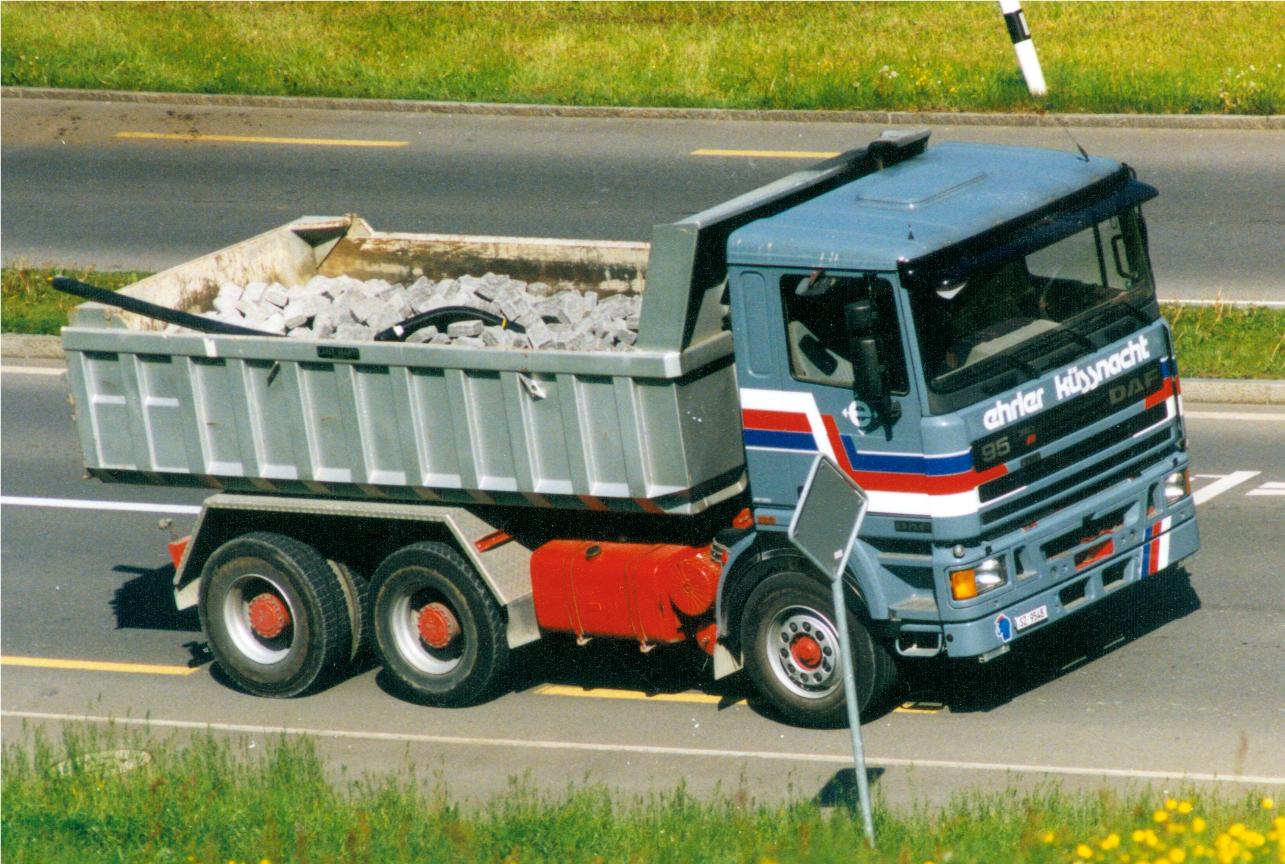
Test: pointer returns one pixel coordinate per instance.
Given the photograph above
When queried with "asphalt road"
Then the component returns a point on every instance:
(74, 192)
(1178, 676)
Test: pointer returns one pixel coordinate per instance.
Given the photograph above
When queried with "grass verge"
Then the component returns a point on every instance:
(1210, 341)
(1118, 57)
(110, 794)
(28, 304)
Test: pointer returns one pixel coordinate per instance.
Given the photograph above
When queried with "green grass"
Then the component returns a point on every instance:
(1210, 341)
(209, 800)
(1097, 57)
(1228, 341)
(28, 304)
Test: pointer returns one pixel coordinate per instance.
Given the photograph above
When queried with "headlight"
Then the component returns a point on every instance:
(1177, 486)
(970, 582)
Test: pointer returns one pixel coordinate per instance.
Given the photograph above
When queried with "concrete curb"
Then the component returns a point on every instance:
(18, 346)
(1240, 391)
(21, 346)
(930, 118)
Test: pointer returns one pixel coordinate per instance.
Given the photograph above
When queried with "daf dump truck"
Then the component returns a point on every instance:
(971, 332)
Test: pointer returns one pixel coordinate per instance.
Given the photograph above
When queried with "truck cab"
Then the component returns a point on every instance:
(972, 334)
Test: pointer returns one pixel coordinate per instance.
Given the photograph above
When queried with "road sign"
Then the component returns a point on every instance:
(824, 528)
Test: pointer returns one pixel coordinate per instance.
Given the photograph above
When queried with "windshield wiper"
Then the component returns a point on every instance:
(1076, 336)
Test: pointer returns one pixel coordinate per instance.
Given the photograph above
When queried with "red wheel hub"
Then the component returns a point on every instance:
(269, 616)
(438, 625)
(806, 651)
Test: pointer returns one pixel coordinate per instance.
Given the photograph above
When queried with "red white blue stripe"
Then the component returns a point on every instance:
(1155, 551)
(915, 484)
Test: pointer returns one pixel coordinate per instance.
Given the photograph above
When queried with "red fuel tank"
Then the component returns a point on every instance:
(622, 590)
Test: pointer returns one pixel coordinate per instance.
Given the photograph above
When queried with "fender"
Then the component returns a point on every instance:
(749, 560)
(504, 567)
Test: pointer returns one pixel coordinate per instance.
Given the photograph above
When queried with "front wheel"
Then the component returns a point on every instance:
(792, 651)
(438, 630)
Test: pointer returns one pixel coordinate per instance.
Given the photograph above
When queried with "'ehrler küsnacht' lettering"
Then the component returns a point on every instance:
(1007, 410)
(1076, 380)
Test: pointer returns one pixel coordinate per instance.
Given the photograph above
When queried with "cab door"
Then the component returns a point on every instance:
(796, 380)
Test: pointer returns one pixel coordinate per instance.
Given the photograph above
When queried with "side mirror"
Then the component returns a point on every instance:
(861, 320)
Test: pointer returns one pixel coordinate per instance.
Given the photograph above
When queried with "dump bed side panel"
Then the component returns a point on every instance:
(652, 431)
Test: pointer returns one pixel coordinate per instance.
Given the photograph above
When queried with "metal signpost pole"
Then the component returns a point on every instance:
(825, 525)
(854, 714)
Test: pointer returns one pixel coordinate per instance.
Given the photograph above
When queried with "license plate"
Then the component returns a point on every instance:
(1035, 616)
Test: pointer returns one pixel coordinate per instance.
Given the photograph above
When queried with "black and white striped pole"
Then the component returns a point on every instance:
(1025, 48)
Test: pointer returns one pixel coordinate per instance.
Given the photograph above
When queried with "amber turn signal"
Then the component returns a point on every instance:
(963, 584)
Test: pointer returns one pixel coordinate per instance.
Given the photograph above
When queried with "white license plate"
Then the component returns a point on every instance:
(1035, 616)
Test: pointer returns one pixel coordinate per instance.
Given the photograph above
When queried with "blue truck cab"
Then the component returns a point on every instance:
(971, 332)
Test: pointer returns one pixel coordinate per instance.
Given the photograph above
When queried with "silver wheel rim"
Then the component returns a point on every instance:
(786, 648)
(236, 618)
(403, 618)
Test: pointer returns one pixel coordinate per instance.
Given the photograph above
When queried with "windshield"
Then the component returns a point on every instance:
(1041, 306)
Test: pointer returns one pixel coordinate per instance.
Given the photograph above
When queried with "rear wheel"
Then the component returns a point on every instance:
(356, 588)
(792, 652)
(438, 630)
(274, 613)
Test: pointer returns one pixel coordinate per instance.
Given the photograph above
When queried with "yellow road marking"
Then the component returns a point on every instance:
(767, 154)
(919, 708)
(261, 139)
(96, 666)
(608, 693)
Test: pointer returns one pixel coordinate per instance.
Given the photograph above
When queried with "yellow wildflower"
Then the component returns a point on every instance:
(1160, 816)
(1198, 825)
(1267, 804)
(1048, 837)
(1138, 835)
(1171, 804)
(1177, 856)
(1236, 830)
(1184, 807)
(1084, 851)
(1111, 841)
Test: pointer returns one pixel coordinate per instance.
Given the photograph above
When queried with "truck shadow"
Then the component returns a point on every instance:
(608, 664)
(1048, 654)
(146, 602)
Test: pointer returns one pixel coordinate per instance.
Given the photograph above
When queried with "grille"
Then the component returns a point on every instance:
(1040, 468)
(1127, 461)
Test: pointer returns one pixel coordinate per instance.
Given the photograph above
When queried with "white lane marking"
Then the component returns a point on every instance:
(83, 504)
(1218, 487)
(1234, 415)
(1272, 488)
(585, 746)
(30, 370)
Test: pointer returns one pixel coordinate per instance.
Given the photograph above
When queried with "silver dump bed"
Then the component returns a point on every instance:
(654, 429)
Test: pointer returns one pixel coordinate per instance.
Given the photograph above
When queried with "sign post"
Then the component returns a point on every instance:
(824, 528)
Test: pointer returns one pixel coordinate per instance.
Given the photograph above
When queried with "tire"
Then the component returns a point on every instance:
(356, 588)
(460, 665)
(791, 646)
(246, 584)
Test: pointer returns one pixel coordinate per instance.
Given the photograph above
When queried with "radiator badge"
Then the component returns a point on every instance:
(1075, 380)
(1005, 411)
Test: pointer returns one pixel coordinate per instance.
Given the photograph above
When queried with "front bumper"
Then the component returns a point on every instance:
(1164, 542)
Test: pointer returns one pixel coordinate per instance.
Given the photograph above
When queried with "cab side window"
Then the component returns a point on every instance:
(816, 334)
